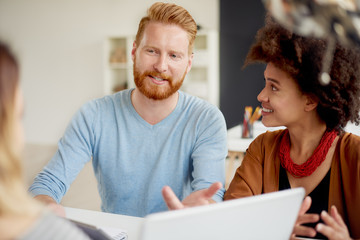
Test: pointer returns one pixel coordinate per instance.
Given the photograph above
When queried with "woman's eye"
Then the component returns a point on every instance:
(273, 88)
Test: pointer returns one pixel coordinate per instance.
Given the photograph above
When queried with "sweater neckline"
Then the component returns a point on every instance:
(171, 116)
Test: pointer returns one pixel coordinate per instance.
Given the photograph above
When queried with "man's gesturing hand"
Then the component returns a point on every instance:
(201, 197)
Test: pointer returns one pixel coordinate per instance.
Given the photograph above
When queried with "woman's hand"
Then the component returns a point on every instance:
(333, 227)
(305, 218)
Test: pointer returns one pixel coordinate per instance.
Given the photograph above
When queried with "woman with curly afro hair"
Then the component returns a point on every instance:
(314, 151)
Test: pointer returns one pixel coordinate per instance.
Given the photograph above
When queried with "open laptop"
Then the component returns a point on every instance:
(266, 216)
(101, 233)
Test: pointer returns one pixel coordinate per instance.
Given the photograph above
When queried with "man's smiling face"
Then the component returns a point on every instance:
(161, 61)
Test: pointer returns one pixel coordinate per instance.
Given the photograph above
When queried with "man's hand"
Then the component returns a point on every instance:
(305, 218)
(51, 204)
(333, 227)
(201, 197)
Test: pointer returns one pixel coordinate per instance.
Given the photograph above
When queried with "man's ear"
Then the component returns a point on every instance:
(191, 57)
(133, 51)
(311, 102)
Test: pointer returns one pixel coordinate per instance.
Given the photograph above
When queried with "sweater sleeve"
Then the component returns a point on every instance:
(75, 149)
(345, 188)
(210, 152)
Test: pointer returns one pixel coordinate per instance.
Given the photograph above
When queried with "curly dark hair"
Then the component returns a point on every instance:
(302, 58)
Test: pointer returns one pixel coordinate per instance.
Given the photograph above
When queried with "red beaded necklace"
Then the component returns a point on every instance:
(308, 167)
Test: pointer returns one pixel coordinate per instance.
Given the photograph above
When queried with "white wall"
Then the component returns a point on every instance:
(60, 48)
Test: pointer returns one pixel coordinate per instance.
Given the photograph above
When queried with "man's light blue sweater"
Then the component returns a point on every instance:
(133, 159)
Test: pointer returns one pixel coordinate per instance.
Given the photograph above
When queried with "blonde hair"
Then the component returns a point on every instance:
(168, 13)
(14, 198)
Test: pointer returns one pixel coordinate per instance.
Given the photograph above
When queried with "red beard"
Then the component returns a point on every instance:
(153, 91)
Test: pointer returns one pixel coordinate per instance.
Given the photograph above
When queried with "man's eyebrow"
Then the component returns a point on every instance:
(181, 53)
(172, 51)
(149, 46)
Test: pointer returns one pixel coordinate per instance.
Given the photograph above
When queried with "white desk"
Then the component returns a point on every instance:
(131, 224)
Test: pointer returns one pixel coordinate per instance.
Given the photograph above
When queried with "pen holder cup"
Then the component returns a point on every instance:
(247, 130)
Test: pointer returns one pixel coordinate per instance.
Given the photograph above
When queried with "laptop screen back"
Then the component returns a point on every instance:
(266, 216)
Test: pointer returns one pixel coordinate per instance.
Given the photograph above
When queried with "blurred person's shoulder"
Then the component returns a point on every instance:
(50, 226)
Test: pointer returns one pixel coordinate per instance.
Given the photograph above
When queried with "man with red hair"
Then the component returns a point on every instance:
(142, 139)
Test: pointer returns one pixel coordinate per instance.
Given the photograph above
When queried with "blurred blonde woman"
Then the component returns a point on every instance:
(21, 217)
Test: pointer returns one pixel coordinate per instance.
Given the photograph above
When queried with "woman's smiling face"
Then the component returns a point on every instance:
(282, 101)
